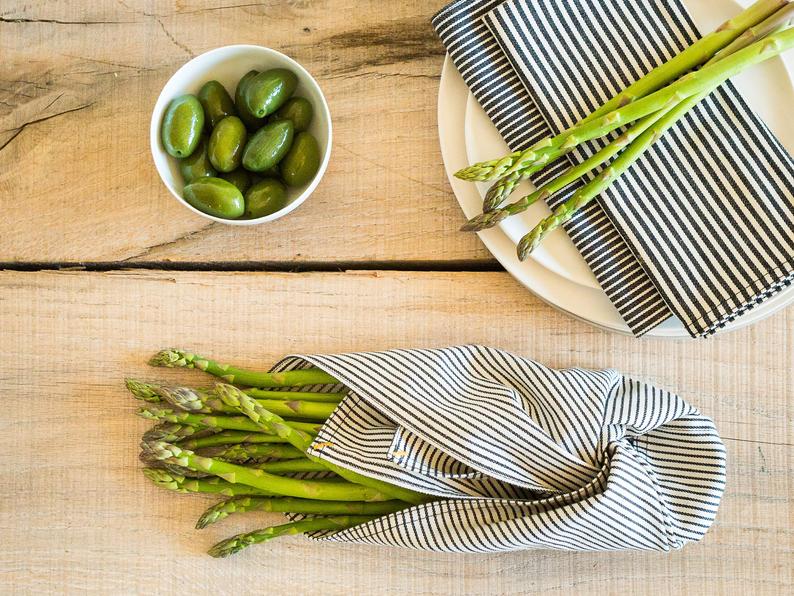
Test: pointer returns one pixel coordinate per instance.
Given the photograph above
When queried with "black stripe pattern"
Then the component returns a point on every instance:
(524, 456)
(703, 226)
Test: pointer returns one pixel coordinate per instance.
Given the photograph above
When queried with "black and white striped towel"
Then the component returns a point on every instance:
(703, 226)
(526, 456)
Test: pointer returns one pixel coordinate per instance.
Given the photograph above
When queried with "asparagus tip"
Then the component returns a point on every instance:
(162, 477)
(169, 432)
(227, 547)
(527, 244)
(184, 398)
(211, 515)
(153, 412)
(171, 358)
(484, 221)
(229, 394)
(162, 451)
(142, 390)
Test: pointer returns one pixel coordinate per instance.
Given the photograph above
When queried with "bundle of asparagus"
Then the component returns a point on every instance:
(248, 441)
(654, 103)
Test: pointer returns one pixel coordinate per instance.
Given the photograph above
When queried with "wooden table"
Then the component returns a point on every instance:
(371, 261)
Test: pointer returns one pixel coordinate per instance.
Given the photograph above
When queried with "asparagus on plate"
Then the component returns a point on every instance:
(761, 32)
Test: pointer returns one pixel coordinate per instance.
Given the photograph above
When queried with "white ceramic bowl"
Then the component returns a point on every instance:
(227, 65)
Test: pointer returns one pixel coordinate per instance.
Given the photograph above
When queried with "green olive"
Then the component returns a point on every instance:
(215, 196)
(197, 165)
(240, 178)
(182, 124)
(216, 102)
(251, 121)
(226, 144)
(265, 197)
(267, 91)
(302, 161)
(266, 148)
(299, 110)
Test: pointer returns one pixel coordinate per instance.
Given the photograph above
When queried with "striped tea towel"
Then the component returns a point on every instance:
(703, 226)
(524, 456)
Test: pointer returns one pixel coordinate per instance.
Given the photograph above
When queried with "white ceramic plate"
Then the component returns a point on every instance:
(556, 272)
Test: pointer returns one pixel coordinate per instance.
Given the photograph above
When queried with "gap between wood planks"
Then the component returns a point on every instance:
(465, 266)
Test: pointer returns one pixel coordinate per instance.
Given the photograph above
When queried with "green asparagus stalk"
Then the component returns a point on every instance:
(246, 452)
(216, 422)
(226, 437)
(773, 33)
(513, 168)
(489, 219)
(173, 358)
(623, 162)
(237, 543)
(142, 390)
(309, 507)
(146, 457)
(172, 432)
(280, 485)
(180, 471)
(273, 424)
(693, 56)
(779, 21)
(690, 85)
(149, 391)
(331, 398)
(197, 400)
(213, 485)
(289, 466)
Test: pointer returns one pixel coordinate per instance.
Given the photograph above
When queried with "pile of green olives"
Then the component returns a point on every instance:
(238, 156)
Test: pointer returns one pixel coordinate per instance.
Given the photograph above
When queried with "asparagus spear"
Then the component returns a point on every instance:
(289, 487)
(213, 485)
(489, 219)
(172, 433)
(512, 168)
(273, 424)
(146, 457)
(770, 32)
(623, 162)
(149, 391)
(142, 390)
(216, 422)
(290, 466)
(244, 452)
(237, 543)
(332, 398)
(779, 21)
(242, 504)
(696, 54)
(690, 85)
(685, 61)
(197, 400)
(226, 437)
(180, 471)
(173, 358)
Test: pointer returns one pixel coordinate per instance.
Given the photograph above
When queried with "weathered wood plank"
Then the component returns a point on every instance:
(77, 85)
(76, 515)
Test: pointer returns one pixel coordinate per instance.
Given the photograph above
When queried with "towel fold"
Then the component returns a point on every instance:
(524, 456)
(702, 227)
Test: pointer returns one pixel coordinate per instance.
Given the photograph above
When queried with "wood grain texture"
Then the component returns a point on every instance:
(76, 515)
(78, 82)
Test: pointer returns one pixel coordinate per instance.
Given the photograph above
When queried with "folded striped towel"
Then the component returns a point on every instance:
(702, 227)
(524, 456)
